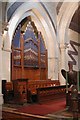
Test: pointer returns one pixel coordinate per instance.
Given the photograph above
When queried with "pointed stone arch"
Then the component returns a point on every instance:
(43, 23)
(64, 19)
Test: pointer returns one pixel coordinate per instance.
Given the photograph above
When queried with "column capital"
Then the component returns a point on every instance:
(4, 26)
(63, 45)
(7, 50)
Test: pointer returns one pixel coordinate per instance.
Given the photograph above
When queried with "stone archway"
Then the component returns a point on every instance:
(43, 22)
(64, 19)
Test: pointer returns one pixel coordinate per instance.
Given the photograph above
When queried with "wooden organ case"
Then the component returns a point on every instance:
(29, 60)
(29, 55)
(20, 90)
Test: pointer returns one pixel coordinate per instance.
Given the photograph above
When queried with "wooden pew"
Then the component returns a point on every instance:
(34, 84)
(50, 93)
(16, 88)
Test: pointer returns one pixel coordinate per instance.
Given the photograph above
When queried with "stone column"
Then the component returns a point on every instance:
(53, 68)
(6, 57)
(63, 62)
(1, 95)
(1, 42)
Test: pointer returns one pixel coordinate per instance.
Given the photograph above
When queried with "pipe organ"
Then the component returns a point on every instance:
(29, 55)
(29, 66)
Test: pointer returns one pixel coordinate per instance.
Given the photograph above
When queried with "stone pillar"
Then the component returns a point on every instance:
(62, 63)
(6, 57)
(1, 42)
(1, 95)
(53, 68)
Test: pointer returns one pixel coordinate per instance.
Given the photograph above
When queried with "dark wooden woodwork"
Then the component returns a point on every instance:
(4, 89)
(33, 85)
(29, 56)
(72, 105)
(9, 94)
(50, 93)
(29, 62)
(7, 91)
(20, 91)
(79, 101)
(9, 86)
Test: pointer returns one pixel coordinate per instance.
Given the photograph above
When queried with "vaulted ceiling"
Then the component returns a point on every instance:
(74, 25)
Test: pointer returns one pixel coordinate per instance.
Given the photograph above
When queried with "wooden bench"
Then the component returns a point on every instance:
(31, 87)
(50, 93)
(35, 84)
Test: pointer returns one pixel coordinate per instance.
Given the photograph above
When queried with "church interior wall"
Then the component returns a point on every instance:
(55, 63)
(49, 30)
(55, 31)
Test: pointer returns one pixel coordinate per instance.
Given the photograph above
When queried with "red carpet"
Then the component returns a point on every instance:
(45, 108)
